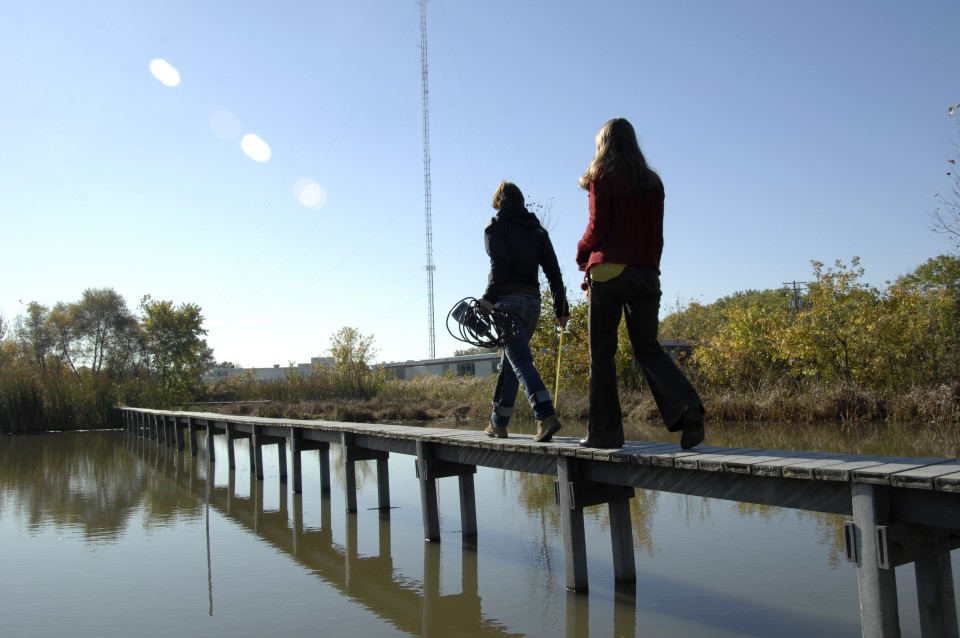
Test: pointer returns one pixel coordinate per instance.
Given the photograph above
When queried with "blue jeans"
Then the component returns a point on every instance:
(516, 364)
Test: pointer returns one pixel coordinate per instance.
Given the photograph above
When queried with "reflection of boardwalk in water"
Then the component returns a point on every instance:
(903, 510)
(371, 581)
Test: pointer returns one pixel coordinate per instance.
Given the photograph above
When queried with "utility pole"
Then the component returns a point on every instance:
(426, 175)
(796, 303)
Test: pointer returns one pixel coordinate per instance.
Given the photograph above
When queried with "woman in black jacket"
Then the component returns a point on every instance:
(518, 246)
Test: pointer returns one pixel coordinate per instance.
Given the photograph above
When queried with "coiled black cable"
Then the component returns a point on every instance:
(480, 329)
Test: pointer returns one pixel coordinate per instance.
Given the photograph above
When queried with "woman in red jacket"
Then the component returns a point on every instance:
(620, 256)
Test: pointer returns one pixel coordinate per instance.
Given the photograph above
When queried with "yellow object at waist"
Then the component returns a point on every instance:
(605, 271)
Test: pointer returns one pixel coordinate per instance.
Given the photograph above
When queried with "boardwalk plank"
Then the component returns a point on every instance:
(906, 472)
(800, 466)
(669, 456)
(844, 471)
(948, 483)
(713, 462)
(925, 477)
(745, 463)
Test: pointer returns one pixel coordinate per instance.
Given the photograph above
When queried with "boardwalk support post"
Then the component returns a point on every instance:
(233, 433)
(431, 469)
(257, 441)
(298, 444)
(897, 544)
(571, 524)
(211, 453)
(178, 434)
(428, 493)
(352, 454)
(935, 593)
(574, 494)
(231, 447)
(162, 429)
(879, 615)
(928, 548)
(294, 442)
(192, 427)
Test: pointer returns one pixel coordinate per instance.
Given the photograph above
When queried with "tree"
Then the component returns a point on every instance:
(98, 333)
(352, 354)
(575, 355)
(33, 334)
(837, 337)
(178, 353)
(107, 332)
(61, 326)
(543, 211)
(946, 217)
(744, 348)
(3, 328)
(467, 351)
(922, 340)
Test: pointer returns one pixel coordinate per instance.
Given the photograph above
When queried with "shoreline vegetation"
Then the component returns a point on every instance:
(468, 399)
(837, 351)
(58, 400)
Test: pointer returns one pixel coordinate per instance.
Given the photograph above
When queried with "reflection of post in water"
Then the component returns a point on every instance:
(372, 581)
(624, 613)
(442, 611)
(299, 530)
(207, 486)
(578, 615)
(256, 502)
(231, 488)
(351, 549)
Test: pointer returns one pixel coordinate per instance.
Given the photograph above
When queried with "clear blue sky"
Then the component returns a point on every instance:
(785, 132)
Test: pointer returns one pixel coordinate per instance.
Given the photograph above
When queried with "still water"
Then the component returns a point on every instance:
(107, 534)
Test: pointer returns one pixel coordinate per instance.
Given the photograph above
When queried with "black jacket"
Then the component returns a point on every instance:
(518, 247)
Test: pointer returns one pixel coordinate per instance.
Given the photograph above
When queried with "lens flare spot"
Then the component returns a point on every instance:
(310, 194)
(255, 148)
(164, 72)
(225, 124)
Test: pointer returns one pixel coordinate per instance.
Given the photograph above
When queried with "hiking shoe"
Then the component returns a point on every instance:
(546, 429)
(496, 432)
(692, 420)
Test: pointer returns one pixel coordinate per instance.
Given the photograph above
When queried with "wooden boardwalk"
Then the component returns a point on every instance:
(902, 510)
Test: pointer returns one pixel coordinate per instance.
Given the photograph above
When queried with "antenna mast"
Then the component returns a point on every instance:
(426, 174)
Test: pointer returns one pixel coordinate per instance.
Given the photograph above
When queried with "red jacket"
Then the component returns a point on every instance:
(625, 227)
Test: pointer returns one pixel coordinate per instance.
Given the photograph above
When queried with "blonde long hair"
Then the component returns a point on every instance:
(617, 147)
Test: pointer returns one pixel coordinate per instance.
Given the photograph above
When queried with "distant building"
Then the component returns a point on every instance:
(677, 348)
(276, 373)
(477, 365)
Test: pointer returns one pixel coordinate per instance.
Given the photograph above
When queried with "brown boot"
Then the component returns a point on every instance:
(546, 429)
(495, 432)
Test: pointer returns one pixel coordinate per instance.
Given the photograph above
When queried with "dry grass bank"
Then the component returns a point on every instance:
(468, 400)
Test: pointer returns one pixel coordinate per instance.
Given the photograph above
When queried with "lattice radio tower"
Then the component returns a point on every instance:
(426, 174)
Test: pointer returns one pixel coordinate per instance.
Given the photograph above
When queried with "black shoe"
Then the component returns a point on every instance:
(692, 424)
